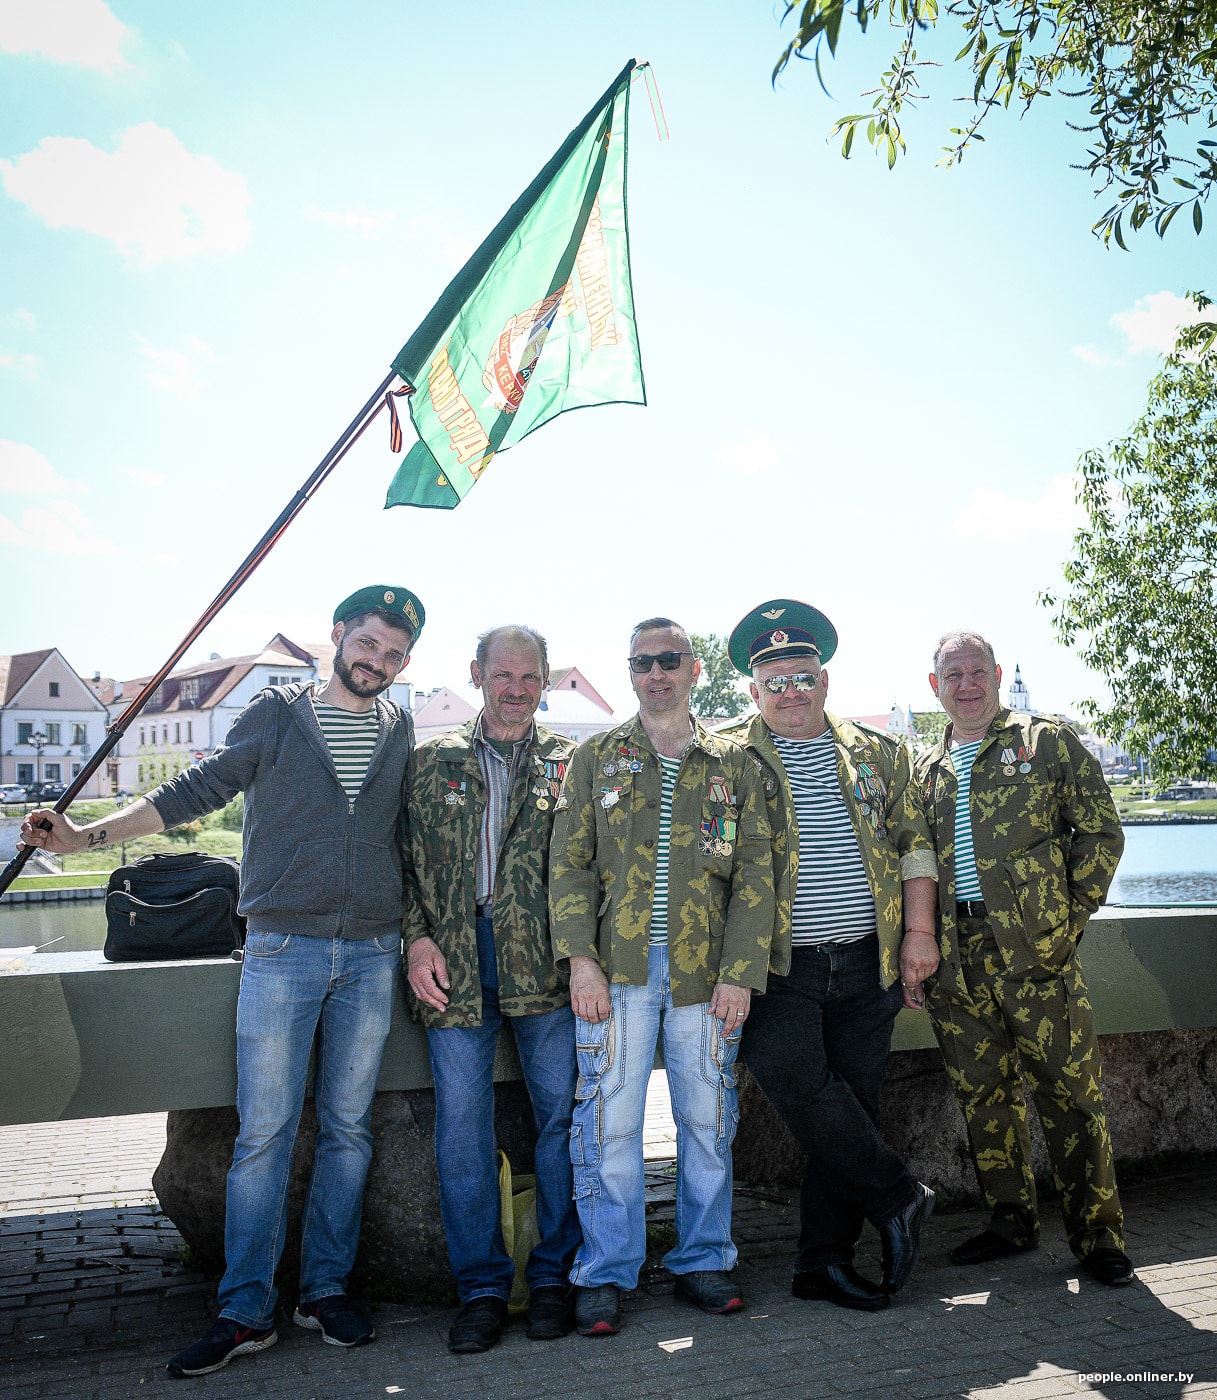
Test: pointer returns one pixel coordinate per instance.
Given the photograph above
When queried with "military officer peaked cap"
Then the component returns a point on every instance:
(780, 628)
(397, 603)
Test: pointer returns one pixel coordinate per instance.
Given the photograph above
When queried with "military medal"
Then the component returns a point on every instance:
(1009, 770)
(610, 770)
(1024, 768)
(543, 804)
(611, 797)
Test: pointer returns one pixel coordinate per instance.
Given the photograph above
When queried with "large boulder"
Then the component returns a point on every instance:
(402, 1253)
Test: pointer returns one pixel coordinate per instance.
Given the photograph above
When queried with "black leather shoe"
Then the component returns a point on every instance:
(478, 1325)
(901, 1237)
(1110, 1266)
(840, 1284)
(551, 1313)
(598, 1310)
(710, 1290)
(986, 1246)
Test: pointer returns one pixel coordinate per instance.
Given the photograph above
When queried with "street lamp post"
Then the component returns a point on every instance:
(38, 742)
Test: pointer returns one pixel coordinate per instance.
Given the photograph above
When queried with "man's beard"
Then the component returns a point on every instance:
(359, 682)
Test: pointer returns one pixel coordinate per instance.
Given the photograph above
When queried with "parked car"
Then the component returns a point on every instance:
(12, 792)
(45, 792)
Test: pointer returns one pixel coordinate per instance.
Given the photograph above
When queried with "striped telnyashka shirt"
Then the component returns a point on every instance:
(669, 770)
(832, 902)
(498, 775)
(967, 882)
(350, 736)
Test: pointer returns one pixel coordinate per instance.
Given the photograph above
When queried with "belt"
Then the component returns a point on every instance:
(970, 909)
(484, 911)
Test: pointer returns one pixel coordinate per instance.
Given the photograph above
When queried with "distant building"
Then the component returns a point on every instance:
(574, 713)
(896, 722)
(441, 709)
(572, 678)
(1017, 697)
(50, 722)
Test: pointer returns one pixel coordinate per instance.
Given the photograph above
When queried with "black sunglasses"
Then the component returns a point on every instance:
(668, 661)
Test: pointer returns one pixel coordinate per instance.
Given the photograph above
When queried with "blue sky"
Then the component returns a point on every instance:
(868, 389)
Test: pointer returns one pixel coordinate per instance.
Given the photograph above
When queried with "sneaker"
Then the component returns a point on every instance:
(550, 1313)
(710, 1290)
(478, 1325)
(214, 1351)
(335, 1320)
(598, 1310)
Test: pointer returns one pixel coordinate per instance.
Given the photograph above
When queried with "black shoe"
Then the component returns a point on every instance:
(598, 1310)
(901, 1237)
(551, 1313)
(986, 1246)
(478, 1325)
(710, 1290)
(840, 1284)
(225, 1340)
(1110, 1266)
(337, 1322)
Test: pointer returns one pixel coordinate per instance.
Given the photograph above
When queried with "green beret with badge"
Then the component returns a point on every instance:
(397, 603)
(782, 627)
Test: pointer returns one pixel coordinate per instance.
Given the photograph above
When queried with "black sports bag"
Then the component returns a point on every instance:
(173, 906)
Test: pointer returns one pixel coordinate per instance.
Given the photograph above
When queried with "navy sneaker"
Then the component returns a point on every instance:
(214, 1351)
(337, 1322)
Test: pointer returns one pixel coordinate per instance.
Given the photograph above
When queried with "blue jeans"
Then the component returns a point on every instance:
(462, 1065)
(293, 987)
(616, 1057)
(817, 1044)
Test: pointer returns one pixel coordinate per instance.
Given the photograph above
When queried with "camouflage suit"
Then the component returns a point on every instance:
(1009, 991)
(500, 967)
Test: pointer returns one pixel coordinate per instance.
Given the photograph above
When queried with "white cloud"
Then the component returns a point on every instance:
(989, 514)
(173, 371)
(26, 470)
(1150, 328)
(753, 454)
(151, 196)
(60, 527)
(21, 317)
(370, 225)
(25, 365)
(84, 32)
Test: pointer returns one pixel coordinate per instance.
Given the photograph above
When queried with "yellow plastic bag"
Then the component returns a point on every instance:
(518, 1206)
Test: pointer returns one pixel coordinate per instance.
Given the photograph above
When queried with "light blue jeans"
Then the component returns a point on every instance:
(292, 988)
(616, 1057)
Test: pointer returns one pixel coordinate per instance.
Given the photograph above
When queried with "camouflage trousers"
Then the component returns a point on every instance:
(1038, 1025)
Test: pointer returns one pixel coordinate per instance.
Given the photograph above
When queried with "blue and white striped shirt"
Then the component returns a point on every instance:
(669, 771)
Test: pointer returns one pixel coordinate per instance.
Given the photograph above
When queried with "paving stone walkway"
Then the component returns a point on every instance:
(93, 1300)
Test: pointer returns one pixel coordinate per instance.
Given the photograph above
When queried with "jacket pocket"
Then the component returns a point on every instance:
(310, 883)
(376, 881)
(1040, 885)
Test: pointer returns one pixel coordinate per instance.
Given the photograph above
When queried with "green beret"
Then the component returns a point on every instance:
(397, 603)
(780, 628)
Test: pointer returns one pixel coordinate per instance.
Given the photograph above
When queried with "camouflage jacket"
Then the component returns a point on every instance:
(1045, 833)
(720, 875)
(888, 821)
(447, 800)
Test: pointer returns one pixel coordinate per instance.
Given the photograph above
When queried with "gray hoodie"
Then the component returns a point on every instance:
(313, 863)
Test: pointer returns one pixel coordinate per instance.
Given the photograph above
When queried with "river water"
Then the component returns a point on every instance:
(1161, 865)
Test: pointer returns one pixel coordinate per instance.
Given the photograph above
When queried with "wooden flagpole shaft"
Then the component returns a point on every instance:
(354, 431)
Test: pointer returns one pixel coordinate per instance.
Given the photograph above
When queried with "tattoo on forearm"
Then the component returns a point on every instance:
(97, 838)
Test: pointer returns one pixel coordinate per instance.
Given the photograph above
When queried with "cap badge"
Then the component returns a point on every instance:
(779, 638)
(389, 595)
(773, 613)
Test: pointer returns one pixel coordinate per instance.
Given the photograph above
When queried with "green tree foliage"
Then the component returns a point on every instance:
(717, 695)
(1146, 67)
(1139, 607)
(928, 727)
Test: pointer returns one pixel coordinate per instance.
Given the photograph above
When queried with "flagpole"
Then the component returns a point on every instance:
(354, 431)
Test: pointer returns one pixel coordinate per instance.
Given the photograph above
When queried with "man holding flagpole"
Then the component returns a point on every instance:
(324, 774)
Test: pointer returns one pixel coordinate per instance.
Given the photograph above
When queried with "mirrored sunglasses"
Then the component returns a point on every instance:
(803, 681)
(668, 661)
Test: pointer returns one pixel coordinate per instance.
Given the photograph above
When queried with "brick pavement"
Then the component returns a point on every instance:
(92, 1302)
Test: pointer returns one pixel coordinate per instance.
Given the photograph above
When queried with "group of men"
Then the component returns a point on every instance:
(779, 889)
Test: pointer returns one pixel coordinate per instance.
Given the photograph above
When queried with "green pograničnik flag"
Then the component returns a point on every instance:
(540, 320)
